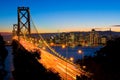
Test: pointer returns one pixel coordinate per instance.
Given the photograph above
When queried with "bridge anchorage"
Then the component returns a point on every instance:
(49, 57)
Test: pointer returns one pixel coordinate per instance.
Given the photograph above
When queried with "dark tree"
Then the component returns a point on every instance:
(108, 58)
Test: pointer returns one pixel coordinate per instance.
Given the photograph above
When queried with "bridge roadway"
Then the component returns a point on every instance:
(66, 70)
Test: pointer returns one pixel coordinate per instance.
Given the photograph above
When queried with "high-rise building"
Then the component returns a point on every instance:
(94, 38)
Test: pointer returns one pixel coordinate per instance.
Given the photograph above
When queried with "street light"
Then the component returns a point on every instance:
(51, 44)
(71, 58)
(63, 46)
(82, 53)
(43, 47)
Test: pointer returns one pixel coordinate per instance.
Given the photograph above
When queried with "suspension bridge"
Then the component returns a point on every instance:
(22, 32)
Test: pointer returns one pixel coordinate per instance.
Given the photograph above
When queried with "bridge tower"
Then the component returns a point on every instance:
(14, 29)
(23, 21)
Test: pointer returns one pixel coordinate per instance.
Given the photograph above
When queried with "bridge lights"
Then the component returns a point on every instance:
(71, 58)
(43, 48)
(51, 44)
(63, 46)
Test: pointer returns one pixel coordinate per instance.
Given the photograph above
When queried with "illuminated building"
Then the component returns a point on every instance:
(94, 38)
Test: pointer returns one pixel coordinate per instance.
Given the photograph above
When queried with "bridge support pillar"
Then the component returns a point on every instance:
(23, 21)
(14, 29)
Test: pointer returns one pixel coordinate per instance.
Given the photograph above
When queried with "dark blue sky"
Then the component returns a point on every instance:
(62, 15)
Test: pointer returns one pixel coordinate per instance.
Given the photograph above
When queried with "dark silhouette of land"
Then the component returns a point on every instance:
(3, 55)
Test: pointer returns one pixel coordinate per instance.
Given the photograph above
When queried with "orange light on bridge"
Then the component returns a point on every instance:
(51, 44)
(71, 58)
(43, 48)
(63, 46)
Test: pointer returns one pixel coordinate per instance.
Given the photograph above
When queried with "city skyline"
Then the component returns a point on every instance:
(63, 15)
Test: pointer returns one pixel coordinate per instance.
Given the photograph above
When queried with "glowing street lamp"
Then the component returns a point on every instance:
(63, 46)
(71, 58)
(43, 48)
(80, 51)
(51, 44)
(84, 67)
